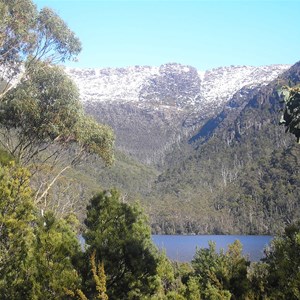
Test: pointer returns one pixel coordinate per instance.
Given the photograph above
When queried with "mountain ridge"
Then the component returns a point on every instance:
(172, 101)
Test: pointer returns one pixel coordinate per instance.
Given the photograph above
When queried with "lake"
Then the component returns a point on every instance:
(182, 247)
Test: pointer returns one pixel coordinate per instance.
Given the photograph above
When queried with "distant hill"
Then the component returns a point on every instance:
(216, 159)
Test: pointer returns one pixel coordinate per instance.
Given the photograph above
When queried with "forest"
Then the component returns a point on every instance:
(44, 133)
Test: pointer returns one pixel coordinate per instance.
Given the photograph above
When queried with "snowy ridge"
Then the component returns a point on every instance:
(170, 85)
(120, 84)
(220, 84)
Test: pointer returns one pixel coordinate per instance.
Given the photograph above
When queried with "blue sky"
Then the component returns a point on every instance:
(204, 33)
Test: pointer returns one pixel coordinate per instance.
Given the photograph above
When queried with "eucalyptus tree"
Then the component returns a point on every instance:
(43, 126)
(45, 109)
(27, 36)
(42, 122)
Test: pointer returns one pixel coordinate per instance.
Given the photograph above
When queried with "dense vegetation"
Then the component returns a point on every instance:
(242, 177)
(41, 257)
(238, 174)
(45, 134)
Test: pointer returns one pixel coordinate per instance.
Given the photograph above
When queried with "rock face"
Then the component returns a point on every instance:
(174, 85)
(152, 108)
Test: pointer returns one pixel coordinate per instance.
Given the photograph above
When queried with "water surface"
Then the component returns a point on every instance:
(183, 247)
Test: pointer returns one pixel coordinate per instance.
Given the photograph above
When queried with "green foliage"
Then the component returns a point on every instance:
(5, 157)
(16, 35)
(193, 289)
(43, 125)
(42, 122)
(99, 278)
(277, 275)
(221, 275)
(55, 41)
(35, 252)
(40, 256)
(257, 275)
(45, 108)
(283, 265)
(95, 138)
(28, 35)
(55, 247)
(17, 236)
(121, 237)
(169, 278)
(291, 115)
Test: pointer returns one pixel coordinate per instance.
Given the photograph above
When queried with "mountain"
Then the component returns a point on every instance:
(153, 108)
(244, 174)
(206, 149)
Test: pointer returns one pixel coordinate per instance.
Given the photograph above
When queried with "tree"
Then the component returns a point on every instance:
(43, 125)
(291, 115)
(222, 275)
(283, 265)
(36, 252)
(193, 289)
(28, 36)
(45, 109)
(42, 109)
(16, 233)
(55, 249)
(122, 239)
(169, 278)
(41, 118)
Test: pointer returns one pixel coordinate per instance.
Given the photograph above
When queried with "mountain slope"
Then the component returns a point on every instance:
(244, 175)
(213, 136)
(153, 108)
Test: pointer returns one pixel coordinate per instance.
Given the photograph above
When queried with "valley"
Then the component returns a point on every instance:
(188, 142)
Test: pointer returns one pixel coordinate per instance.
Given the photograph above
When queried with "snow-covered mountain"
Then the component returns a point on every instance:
(151, 108)
(141, 83)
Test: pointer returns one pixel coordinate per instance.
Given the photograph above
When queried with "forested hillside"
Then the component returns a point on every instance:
(230, 174)
(243, 173)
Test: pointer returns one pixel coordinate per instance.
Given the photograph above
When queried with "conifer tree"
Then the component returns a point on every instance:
(122, 239)
(36, 252)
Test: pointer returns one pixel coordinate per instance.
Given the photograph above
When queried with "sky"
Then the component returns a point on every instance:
(202, 33)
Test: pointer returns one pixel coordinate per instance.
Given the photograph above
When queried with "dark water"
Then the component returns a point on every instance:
(183, 247)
